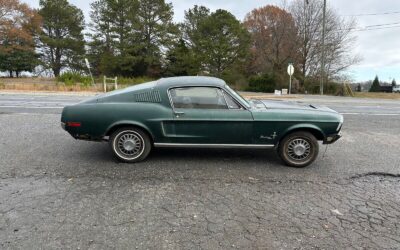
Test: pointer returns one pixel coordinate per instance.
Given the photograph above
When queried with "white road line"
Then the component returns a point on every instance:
(30, 107)
(372, 114)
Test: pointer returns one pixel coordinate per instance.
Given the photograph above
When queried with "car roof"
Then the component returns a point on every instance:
(190, 80)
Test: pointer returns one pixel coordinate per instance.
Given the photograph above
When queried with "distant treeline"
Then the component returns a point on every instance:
(138, 38)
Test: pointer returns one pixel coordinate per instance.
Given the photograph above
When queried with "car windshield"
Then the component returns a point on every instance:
(237, 96)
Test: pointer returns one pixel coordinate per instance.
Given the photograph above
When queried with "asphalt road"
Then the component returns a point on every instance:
(56, 192)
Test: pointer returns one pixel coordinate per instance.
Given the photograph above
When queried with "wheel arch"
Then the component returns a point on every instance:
(314, 130)
(111, 129)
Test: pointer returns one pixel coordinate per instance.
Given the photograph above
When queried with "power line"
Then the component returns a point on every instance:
(379, 25)
(366, 28)
(376, 14)
(378, 28)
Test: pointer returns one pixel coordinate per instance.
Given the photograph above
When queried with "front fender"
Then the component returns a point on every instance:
(303, 126)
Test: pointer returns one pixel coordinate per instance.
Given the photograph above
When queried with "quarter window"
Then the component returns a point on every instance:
(232, 104)
(198, 98)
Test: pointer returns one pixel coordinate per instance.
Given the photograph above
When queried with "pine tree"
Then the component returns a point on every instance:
(376, 87)
(128, 36)
(218, 39)
(394, 84)
(180, 61)
(62, 41)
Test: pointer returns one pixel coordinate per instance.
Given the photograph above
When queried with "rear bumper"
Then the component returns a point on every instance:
(332, 138)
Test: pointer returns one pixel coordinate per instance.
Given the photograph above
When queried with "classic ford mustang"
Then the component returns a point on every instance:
(200, 112)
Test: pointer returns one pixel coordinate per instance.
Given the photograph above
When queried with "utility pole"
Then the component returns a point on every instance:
(323, 49)
(304, 38)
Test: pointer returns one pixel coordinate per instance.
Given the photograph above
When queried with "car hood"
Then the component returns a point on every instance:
(287, 105)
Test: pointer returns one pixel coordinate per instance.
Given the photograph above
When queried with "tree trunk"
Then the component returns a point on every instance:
(56, 71)
(11, 74)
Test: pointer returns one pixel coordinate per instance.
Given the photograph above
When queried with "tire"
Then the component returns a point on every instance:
(298, 149)
(130, 144)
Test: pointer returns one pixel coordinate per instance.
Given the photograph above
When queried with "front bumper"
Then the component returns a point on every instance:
(332, 138)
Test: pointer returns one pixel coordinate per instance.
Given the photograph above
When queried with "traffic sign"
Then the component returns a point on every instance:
(290, 69)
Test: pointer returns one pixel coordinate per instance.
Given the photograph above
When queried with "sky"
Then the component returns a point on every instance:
(379, 49)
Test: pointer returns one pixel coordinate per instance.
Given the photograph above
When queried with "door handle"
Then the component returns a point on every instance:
(178, 113)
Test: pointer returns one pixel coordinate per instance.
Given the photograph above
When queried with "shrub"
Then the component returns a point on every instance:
(262, 83)
(73, 78)
(133, 80)
(330, 88)
(235, 79)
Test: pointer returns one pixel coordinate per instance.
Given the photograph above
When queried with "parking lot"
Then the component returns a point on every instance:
(56, 192)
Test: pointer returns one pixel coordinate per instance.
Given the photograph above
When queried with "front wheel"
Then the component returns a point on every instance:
(298, 149)
(130, 144)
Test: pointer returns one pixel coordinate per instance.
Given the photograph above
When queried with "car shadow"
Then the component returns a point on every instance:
(100, 152)
(214, 155)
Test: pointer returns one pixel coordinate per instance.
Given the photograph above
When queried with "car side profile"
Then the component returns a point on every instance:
(200, 112)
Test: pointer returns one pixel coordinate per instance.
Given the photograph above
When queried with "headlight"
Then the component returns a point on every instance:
(339, 126)
(340, 123)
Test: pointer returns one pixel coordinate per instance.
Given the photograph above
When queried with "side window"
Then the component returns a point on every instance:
(232, 104)
(198, 98)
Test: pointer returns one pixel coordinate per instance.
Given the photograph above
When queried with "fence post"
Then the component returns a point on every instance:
(116, 83)
(104, 84)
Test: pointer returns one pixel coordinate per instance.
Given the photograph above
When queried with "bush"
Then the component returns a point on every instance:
(262, 83)
(330, 88)
(73, 78)
(235, 79)
(133, 80)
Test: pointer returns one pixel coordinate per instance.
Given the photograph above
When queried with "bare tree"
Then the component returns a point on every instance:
(339, 39)
(274, 40)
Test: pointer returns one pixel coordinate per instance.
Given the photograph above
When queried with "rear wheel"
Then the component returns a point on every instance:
(298, 149)
(130, 144)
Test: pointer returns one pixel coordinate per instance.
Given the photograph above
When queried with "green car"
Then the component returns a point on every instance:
(200, 112)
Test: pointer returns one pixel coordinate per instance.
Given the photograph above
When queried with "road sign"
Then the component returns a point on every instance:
(290, 69)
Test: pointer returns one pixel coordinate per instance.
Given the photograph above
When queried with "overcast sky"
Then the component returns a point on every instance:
(380, 49)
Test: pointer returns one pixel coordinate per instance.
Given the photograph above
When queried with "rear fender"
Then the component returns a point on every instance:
(127, 124)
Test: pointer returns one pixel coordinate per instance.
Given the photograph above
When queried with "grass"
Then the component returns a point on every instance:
(57, 87)
(65, 83)
(377, 95)
(49, 84)
(49, 87)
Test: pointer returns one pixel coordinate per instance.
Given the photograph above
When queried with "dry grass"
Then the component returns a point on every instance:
(377, 95)
(49, 87)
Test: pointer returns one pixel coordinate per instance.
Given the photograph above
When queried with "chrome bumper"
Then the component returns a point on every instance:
(332, 138)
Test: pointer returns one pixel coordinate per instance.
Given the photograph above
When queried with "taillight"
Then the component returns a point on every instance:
(73, 124)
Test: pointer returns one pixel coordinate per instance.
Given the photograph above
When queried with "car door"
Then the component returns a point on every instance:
(208, 115)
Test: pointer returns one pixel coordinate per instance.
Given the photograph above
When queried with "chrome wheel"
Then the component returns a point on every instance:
(299, 149)
(129, 145)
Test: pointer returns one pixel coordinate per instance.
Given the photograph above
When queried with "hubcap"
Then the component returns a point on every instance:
(129, 145)
(299, 149)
